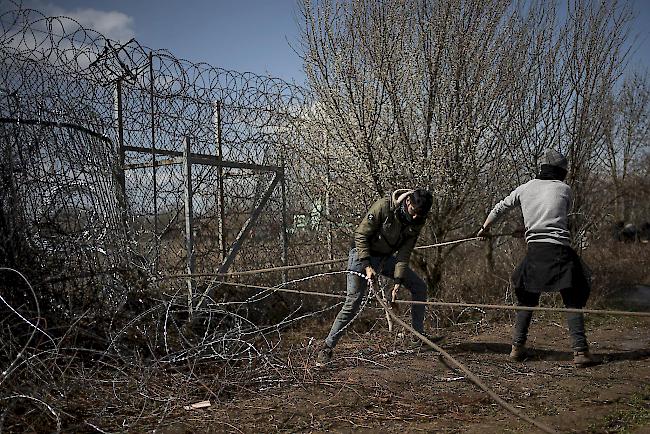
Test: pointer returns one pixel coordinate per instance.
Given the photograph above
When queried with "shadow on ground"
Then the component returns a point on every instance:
(548, 354)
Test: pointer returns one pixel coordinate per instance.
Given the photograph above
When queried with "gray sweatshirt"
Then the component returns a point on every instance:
(545, 206)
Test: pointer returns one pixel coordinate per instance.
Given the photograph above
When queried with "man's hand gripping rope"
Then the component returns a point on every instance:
(373, 284)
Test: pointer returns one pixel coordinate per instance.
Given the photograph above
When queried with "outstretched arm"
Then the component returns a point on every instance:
(499, 210)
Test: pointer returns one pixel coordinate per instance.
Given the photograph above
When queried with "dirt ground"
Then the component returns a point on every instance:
(375, 384)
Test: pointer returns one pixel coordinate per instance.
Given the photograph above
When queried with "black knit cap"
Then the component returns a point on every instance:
(421, 200)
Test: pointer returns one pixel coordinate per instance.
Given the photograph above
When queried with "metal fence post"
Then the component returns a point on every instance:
(189, 230)
(119, 117)
(153, 164)
(285, 241)
(221, 202)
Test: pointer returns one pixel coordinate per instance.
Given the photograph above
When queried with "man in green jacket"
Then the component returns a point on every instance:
(383, 243)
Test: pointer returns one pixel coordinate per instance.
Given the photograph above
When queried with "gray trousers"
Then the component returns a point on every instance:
(575, 321)
(356, 289)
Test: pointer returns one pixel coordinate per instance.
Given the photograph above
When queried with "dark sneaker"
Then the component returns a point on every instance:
(416, 343)
(583, 358)
(518, 353)
(324, 356)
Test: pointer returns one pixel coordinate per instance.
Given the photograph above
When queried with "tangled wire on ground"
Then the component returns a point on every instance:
(155, 359)
(87, 234)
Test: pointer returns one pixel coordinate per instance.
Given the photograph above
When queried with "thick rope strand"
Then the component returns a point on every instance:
(447, 304)
(299, 266)
(465, 370)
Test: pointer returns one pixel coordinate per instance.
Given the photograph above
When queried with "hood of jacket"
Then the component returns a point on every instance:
(399, 196)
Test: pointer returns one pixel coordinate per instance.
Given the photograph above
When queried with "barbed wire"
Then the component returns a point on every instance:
(88, 232)
(56, 72)
(94, 202)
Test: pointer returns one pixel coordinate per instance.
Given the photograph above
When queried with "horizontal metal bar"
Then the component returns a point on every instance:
(158, 163)
(208, 160)
(88, 131)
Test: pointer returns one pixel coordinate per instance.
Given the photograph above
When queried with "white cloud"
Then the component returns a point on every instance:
(69, 47)
(113, 25)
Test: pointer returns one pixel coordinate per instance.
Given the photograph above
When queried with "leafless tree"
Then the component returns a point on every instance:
(411, 94)
(627, 138)
(458, 96)
(576, 57)
(594, 58)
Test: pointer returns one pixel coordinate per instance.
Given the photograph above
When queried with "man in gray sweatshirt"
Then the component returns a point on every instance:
(550, 263)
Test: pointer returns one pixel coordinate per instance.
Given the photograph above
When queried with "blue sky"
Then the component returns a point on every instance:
(243, 35)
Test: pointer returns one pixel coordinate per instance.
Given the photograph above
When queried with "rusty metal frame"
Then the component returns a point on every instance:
(187, 158)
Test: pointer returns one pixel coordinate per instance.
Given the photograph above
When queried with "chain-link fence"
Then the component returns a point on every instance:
(96, 132)
(121, 166)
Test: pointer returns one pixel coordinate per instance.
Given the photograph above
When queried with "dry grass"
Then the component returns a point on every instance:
(116, 373)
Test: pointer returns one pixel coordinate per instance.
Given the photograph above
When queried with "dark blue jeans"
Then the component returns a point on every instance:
(575, 321)
(356, 289)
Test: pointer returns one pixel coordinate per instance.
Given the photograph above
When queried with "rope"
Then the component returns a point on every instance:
(465, 370)
(428, 303)
(390, 313)
(449, 243)
(541, 309)
(447, 304)
(299, 266)
(258, 271)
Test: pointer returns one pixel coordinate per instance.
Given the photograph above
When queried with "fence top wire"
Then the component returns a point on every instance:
(54, 72)
(63, 61)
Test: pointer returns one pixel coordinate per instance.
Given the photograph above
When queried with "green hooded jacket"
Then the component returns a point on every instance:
(381, 233)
